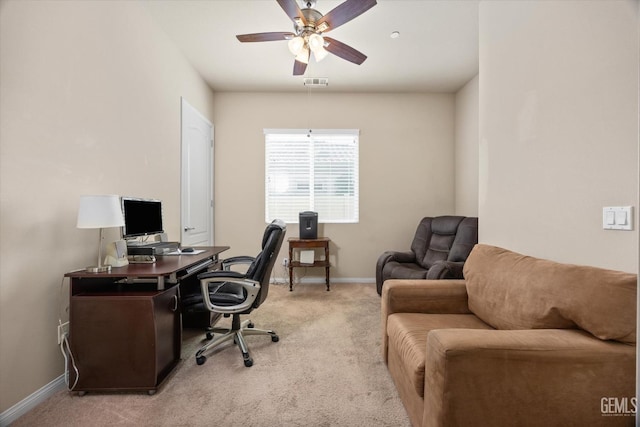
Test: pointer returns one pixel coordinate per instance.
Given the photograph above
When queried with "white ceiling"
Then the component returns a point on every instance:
(437, 50)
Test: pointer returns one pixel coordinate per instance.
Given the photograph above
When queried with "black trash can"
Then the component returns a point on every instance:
(308, 225)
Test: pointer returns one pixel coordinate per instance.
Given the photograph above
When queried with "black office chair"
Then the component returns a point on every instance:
(234, 293)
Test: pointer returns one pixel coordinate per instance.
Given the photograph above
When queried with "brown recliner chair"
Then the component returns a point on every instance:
(439, 249)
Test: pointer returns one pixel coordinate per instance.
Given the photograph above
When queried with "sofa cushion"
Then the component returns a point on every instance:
(408, 335)
(541, 377)
(508, 290)
(404, 270)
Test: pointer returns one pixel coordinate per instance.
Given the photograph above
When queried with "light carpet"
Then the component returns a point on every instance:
(326, 370)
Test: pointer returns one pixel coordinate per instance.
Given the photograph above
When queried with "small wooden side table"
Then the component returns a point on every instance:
(295, 243)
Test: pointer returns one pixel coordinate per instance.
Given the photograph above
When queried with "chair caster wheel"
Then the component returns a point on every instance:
(209, 336)
(275, 338)
(201, 359)
(251, 325)
(248, 361)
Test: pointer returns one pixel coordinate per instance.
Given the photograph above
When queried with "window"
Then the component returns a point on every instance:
(311, 171)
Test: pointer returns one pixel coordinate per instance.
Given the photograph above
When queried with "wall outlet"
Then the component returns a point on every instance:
(63, 330)
(285, 262)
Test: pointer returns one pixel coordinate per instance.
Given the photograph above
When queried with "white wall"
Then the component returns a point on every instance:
(559, 128)
(406, 168)
(90, 104)
(466, 149)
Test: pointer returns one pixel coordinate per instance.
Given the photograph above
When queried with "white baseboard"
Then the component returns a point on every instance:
(31, 401)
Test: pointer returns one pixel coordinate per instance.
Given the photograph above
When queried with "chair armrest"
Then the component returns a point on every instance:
(242, 259)
(524, 377)
(220, 274)
(446, 270)
(388, 256)
(421, 296)
(398, 256)
(211, 282)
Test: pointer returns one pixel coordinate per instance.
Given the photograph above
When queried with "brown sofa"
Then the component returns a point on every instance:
(520, 341)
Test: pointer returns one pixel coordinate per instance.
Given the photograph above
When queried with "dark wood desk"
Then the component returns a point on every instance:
(125, 326)
(295, 243)
(167, 269)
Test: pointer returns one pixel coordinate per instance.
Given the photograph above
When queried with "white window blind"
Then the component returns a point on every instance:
(311, 171)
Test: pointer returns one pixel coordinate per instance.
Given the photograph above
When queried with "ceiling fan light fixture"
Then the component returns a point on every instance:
(296, 45)
(316, 42)
(320, 54)
(303, 56)
(309, 25)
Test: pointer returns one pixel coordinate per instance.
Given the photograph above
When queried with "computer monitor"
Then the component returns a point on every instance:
(142, 217)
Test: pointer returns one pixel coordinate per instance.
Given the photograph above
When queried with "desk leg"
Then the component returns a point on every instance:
(290, 269)
(290, 278)
(326, 259)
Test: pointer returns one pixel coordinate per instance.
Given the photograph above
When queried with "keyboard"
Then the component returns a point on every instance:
(141, 259)
(199, 266)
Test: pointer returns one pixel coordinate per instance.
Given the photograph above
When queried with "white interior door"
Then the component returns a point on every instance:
(197, 178)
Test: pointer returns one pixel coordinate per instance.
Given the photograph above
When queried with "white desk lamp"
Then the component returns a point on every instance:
(100, 212)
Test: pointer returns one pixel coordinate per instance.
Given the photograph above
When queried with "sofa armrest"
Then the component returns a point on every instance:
(421, 296)
(446, 270)
(503, 377)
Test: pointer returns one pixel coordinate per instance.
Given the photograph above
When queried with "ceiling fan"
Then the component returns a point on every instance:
(309, 26)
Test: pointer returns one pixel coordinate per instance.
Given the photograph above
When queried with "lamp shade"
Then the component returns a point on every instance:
(320, 54)
(295, 45)
(100, 211)
(303, 56)
(316, 42)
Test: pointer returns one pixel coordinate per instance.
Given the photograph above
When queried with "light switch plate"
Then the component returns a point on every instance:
(617, 218)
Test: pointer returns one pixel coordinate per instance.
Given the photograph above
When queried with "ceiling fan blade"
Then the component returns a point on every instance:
(292, 10)
(344, 51)
(264, 37)
(345, 12)
(299, 68)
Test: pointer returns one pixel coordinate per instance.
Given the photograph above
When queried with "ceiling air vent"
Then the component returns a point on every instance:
(316, 81)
